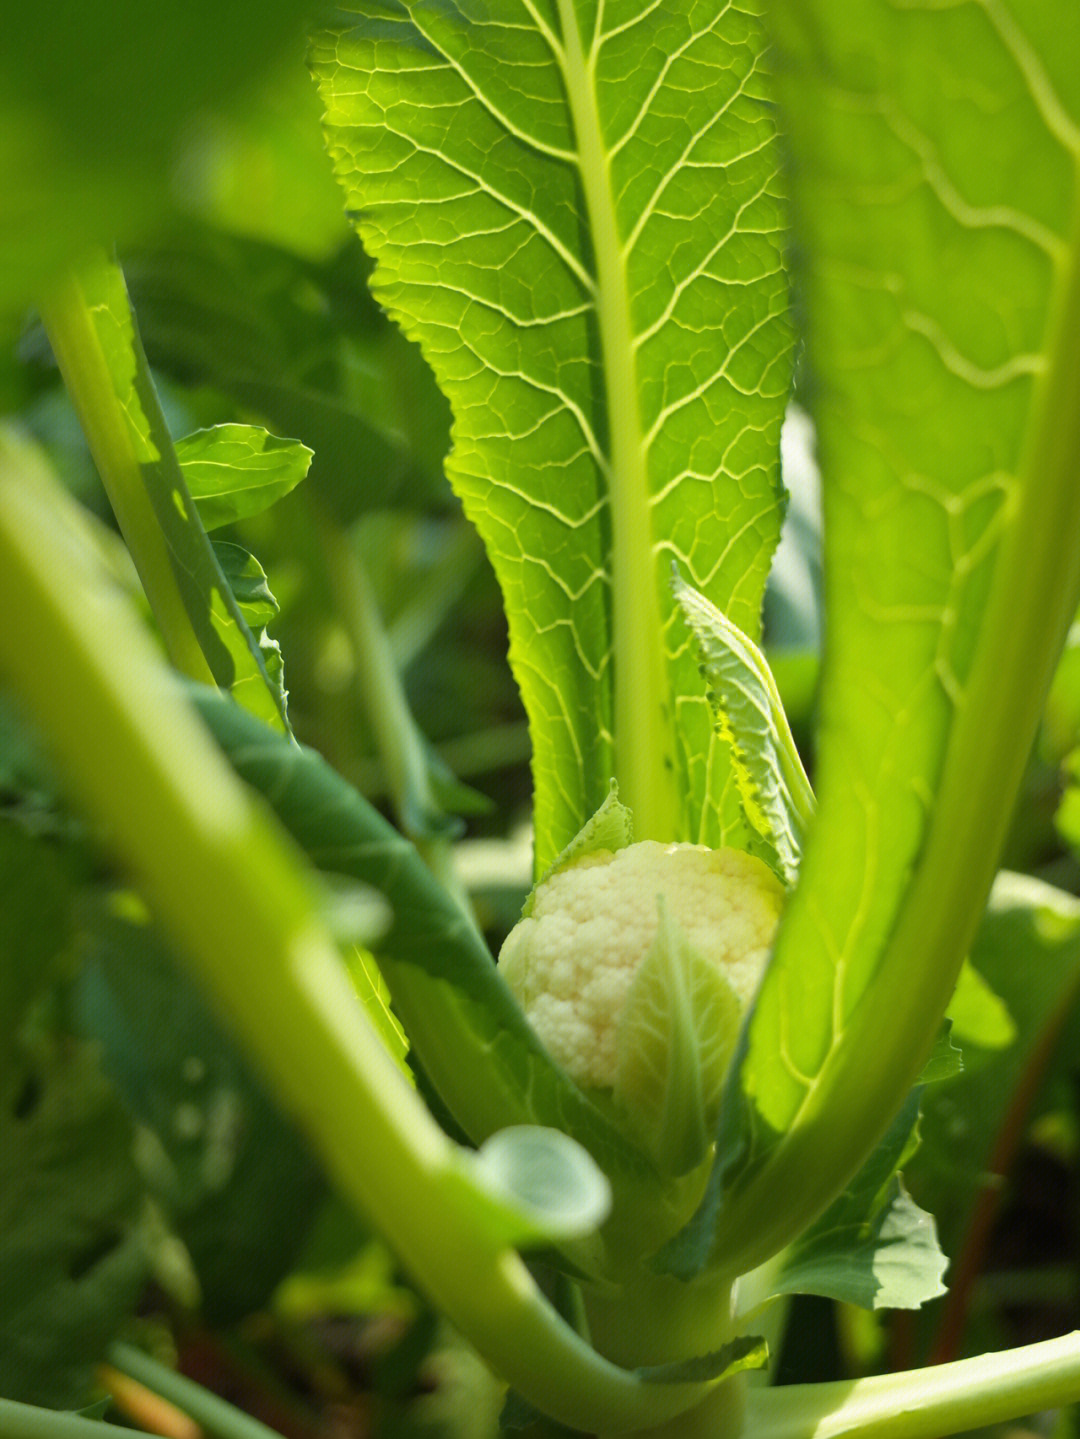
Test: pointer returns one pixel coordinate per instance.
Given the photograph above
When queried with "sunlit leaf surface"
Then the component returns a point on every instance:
(574, 210)
(935, 151)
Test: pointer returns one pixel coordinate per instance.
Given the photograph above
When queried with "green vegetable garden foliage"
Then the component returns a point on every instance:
(338, 346)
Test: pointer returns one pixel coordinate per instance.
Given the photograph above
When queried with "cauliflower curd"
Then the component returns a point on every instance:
(572, 962)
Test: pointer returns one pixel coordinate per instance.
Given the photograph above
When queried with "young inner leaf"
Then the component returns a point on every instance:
(675, 1040)
(776, 796)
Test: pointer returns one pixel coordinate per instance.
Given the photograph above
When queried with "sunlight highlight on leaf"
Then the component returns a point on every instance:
(937, 212)
(574, 210)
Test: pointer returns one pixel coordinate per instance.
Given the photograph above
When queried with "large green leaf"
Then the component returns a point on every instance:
(934, 165)
(573, 208)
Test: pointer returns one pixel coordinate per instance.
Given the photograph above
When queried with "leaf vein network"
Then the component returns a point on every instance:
(553, 41)
(602, 36)
(658, 84)
(730, 544)
(545, 507)
(569, 405)
(684, 163)
(569, 259)
(970, 216)
(574, 595)
(681, 286)
(496, 308)
(977, 376)
(554, 152)
(699, 391)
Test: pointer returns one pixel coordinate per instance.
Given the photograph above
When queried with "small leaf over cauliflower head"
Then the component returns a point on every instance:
(573, 961)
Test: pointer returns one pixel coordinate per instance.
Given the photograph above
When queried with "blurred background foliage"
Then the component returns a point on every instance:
(149, 1189)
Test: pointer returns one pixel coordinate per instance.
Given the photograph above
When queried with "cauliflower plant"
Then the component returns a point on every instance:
(634, 967)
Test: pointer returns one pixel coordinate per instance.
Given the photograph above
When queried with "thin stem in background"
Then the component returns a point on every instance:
(398, 739)
(146, 1409)
(24, 1421)
(215, 1416)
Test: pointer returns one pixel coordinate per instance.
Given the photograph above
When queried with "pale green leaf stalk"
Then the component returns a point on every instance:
(94, 336)
(238, 905)
(574, 210)
(946, 1399)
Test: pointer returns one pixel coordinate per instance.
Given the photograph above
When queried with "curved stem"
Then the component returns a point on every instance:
(230, 889)
(658, 1320)
(946, 1399)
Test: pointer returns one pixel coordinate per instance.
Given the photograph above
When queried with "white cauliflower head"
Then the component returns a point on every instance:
(573, 961)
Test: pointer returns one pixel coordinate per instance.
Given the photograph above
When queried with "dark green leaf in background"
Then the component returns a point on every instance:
(108, 116)
(237, 1184)
(1028, 947)
(303, 347)
(71, 1261)
(35, 906)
